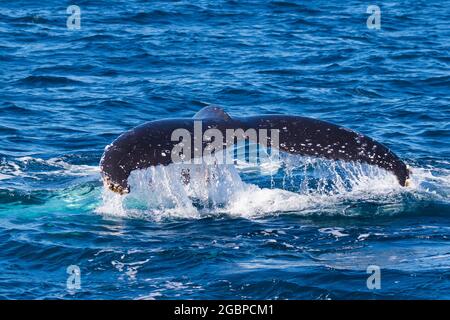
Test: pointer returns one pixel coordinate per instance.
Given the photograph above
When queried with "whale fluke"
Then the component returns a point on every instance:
(151, 144)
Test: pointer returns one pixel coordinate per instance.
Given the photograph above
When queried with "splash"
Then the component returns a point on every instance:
(300, 185)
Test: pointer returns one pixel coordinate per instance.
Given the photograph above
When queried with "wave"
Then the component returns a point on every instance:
(146, 17)
(293, 6)
(52, 184)
(49, 80)
(29, 167)
(13, 109)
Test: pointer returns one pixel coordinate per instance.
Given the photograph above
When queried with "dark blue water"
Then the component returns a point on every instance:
(65, 94)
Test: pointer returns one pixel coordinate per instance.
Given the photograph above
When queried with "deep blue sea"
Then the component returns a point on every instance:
(262, 232)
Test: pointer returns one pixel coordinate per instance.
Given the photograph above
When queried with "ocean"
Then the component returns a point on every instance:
(69, 87)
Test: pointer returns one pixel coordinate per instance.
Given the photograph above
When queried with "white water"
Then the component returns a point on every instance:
(54, 166)
(308, 186)
(299, 185)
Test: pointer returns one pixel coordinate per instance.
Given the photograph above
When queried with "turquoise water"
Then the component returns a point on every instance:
(263, 232)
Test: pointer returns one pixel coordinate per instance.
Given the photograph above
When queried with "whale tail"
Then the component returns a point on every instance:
(152, 143)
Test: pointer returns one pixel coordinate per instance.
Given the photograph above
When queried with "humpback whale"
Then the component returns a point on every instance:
(151, 143)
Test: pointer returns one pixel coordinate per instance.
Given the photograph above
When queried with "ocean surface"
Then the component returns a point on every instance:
(268, 231)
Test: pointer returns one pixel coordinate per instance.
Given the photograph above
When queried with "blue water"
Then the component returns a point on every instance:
(262, 234)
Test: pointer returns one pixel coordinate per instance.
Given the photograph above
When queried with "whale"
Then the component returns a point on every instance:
(152, 143)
